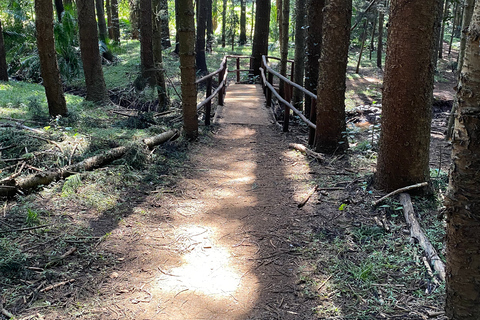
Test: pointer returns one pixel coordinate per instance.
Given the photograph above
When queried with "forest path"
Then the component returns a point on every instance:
(224, 243)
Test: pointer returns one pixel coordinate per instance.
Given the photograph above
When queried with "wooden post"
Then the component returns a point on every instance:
(313, 118)
(222, 91)
(208, 106)
(286, 113)
(238, 69)
(292, 76)
(269, 92)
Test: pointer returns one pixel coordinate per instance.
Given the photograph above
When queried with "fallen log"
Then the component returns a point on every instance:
(44, 178)
(308, 152)
(417, 233)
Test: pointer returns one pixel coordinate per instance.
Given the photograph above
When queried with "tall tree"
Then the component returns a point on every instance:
(260, 38)
(3, 57)
(200, 41)
(243, 23)
(102, 26)
(467, 17)
(381, 20)
(108, 7)
(209, 25)
(186, 35)
(285, 21)
(442, 30)
(48, 58)
(146, 48)
(59, 9)
(164, 24)
(90, 53)
(403, 157)
(300, 25)
(134, 18)
(330, 133)
(224, 23)
(463, 196)
(314, 47)
(157, 42)
(115, 21)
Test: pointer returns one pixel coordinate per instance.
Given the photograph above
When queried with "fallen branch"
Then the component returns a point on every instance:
(56, 285)
(302, 148)
(13, 176)
(418, 185)
(57, 260)
(88, 164)
(26, 229)
(47, 140)
(8, 314)
(417, 233)
(309, 195)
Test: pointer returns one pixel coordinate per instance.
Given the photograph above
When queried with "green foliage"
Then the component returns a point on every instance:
(71, 185)
(12, 259)
(66, 45)
(32, 218)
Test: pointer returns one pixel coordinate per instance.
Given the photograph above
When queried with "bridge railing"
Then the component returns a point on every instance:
(268, 75)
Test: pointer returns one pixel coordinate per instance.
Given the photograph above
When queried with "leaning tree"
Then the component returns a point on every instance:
(463, 195)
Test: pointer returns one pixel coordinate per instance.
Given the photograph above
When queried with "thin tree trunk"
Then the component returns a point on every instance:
(299, 52)
(92, 64)
(243, 23)
(442, 31)
(157, 40)
(314, 47)
(200, 58)
(164, 24)
(146, 47)
(260, 37)
(463, 195)
(362, 46)
(454, 27)
(177, 45)
(186, 35)
(285, 20)
(134, 18)
(59, 9)
(372, 39)
(252, 22)
(381, 19)
(3, 57)
(48, 58)
(209, 26)
(108, 6)
(224, 23)
(115, 21)
(403, 157)
(330, 133)
(102, 26)
(467, 18)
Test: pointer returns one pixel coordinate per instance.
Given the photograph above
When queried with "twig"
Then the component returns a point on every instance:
(13, 176)
(56, 285)
(6, 148)
(26, 229)
(34, 168)
(414, 186)
(324, 282)
(47, 140)
(71, 154)
(308, 152)
(309, 195)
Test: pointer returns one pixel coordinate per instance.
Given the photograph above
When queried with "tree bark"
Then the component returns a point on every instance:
(200, 58)
(92, 64)
(134, 17)
(59, 9)
(260, 37)
(467, 18)
(442, 30)
(3, 57)
(146, 48)
(285, 21)
(164, 24)
(108, 7)
(299, 52)
(462, 200)
(224, 23)
(157, 55)
(243, 23)
(48, 58)
(209, 25)
(330, 133)
(403, 157)
(381, 20)
(115, 21)
(186, 35)
(314, 48)
(102, 26)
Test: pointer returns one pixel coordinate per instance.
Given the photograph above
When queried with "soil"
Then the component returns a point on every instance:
(224, 241)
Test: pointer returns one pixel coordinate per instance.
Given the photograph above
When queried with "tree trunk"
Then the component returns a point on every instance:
(285, 20)
(403, 157)
(260, 37)
(381, 19)
(108, 6)
(164, 24)
(454, 27)
(177, 50)
(372, 38)
(300, 27)
(146, 48)
(442, 30)
(467, 17)
(115, 21)
(3, 57)
(48, 58)
(102, 26)
(314, 47)
(134, 17)
(200, 58)
(157, 42)
(330, 133)
(224, 23)
(462, 200)
(186, 35)
(59, 9)
(362, 46)
(243, 23)
(209, 26)
(92, 64)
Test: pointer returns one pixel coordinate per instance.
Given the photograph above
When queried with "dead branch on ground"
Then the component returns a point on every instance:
(308, 152)
(418, 185)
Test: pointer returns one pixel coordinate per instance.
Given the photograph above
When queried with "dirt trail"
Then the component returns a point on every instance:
(223, 244)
